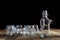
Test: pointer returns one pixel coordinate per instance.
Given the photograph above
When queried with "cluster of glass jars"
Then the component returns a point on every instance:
(22, 30)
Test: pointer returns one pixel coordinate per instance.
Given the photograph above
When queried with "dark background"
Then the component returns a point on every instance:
(27, 14)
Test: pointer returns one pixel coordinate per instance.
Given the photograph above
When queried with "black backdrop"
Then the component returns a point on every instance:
(27, 14)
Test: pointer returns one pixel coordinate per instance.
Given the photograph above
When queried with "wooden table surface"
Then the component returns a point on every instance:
(53, 36)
